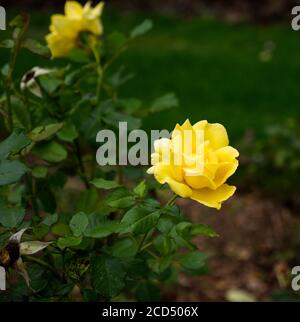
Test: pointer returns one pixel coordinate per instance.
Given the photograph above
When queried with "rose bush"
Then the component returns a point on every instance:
(100, 232)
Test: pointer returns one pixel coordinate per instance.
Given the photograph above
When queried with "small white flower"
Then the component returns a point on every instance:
(14, 250)
(29, 80)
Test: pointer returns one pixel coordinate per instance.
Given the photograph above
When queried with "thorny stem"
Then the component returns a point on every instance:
(9, 82)
(141, 245)
(115, 56)
(145, 236)
(99, 83)
(152, 254)
(172, 200)
(101, 71)
(99, 74)
(146, 246)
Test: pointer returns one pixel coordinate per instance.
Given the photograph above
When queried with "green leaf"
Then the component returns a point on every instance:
(146, 223)
(104, 184)
(39, 277)
(163, 244)
(13, 144)
(131, 105)
(119, 78)
(5, 70)
(165, 224)
(70, 241)
(107, 276)
(61, 229)
(42, 133)
(181, 236)
(40, 231)
(7, 43)
(141, 29)
(173, 211)
(40, 172)
(11, 171)
(68, 133)
(160, 265)
(193, 260)
(50, 220)
(200, 229)
(124, 202)
(49, 83)
(164, 102)
(139, 220)
(114, 118)
(79, 223)
(183, 227)
(51, 152)
(120, 198)
(133, 215)
(103, 230)
(35, 47)
(22, 114)
(140, 189)
(11, 217)
(124, 248)
(88, 201)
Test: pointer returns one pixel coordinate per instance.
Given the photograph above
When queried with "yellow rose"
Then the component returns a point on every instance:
(196, 162)
(64, 29)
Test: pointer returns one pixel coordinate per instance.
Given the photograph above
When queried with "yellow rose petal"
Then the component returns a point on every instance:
(200, 126)
(73, 10)
(93, 13)
(187, 126)
(213, 198)
(59, 46)
(225, 171)
(64, 27)
(161, 172)
(227, 153)
(176, 172)
(180, 189)
(216, 134)
(198, 181)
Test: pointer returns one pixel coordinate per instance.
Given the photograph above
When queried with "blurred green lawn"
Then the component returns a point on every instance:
(214, 69)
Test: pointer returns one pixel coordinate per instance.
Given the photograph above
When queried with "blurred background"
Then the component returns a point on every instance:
(235, 62)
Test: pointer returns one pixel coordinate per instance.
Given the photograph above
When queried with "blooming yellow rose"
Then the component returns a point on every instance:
(196, 162)
(64, 29)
